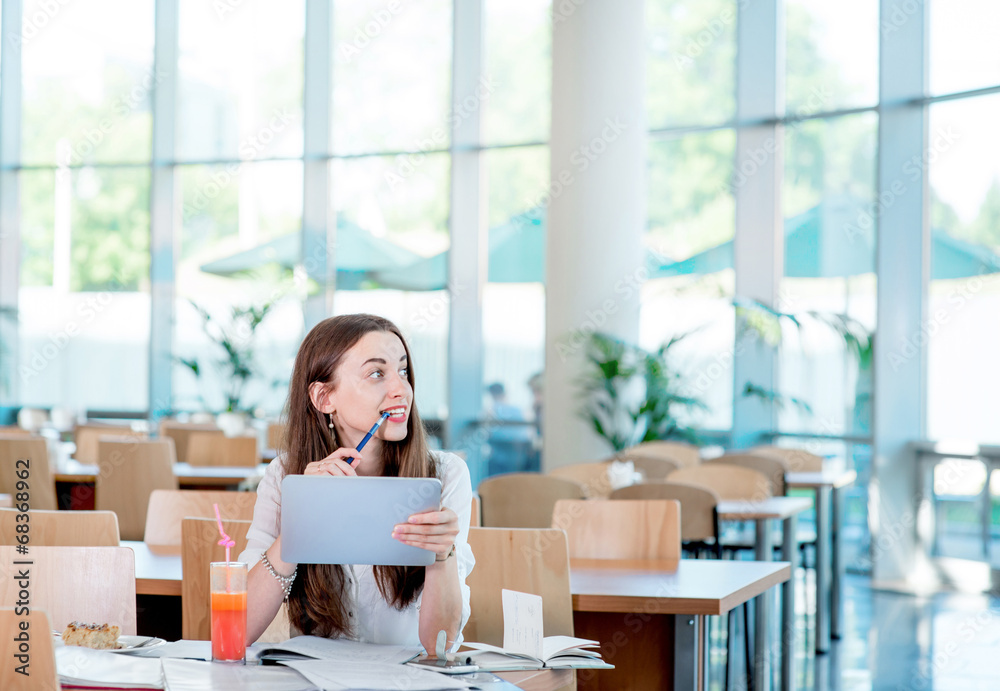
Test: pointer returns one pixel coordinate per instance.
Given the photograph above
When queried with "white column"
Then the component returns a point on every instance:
(319, 224)
(10, 226)
(902, 261)
(758, 248)
(597, 203)
(163, 216)
(467, 259)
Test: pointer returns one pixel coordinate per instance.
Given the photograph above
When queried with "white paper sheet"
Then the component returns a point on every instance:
(522, 623)
(343, 650)
(332, 675)
(86, 667)
(201, 650)
(194, 675)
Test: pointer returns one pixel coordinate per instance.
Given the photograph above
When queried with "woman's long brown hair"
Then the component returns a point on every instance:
(316, 604)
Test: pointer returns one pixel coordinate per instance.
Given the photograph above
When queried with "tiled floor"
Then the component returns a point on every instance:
(901, 642)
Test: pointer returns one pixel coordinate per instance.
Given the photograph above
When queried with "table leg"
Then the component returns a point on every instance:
(790, 553)
(687, 640)
(837, 565)
(762, 647)
(823, 569)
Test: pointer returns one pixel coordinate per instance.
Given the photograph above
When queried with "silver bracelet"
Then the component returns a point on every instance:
(284, 581)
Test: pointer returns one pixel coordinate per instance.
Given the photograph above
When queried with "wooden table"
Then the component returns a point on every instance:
(826, 486)
(611, 599)
(650, 615)
(762, 511)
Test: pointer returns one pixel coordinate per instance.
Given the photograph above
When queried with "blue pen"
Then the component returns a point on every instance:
(370, 433)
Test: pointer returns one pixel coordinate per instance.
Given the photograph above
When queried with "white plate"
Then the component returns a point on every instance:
(129, 644)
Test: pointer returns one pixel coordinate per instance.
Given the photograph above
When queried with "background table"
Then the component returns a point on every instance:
(826, 486)
(650, 615)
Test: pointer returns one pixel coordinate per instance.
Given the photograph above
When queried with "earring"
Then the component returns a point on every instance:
(331, 421)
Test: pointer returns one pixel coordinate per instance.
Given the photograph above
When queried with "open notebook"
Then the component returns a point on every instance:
(524, 646)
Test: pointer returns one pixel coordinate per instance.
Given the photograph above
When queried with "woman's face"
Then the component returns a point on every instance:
(370, 380)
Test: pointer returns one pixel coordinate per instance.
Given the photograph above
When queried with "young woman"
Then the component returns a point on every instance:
(349, 370)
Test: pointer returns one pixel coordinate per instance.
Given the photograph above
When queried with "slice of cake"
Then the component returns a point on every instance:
(99, 636)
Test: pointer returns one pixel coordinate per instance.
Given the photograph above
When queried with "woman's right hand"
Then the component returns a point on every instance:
(334, 464)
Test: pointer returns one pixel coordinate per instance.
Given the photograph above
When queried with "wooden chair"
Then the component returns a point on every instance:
(729, 482)
(523, 500)
(530, 561)
(86, 438)
(14, 430)
(653, 469)
(128, 472)
(796, 460)
(699, 514)
(199, 548)
(181, 432)
(42, 658)
(594, 477)
(276, 435)
(14, 450)
(773, 469)
(211, 448)
(62, 528)
(476, 520)
(637, 529)
(683, 453)
(89, 584)
(168, 507)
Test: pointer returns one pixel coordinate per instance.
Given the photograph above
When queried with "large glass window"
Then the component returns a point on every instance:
(963, 51)
(962, 323)
(689, 264)
(691, 69)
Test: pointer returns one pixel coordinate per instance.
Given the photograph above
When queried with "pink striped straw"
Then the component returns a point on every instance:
(226, 542)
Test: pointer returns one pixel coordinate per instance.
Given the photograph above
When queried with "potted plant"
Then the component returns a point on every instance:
(632, 395)
(236, 362)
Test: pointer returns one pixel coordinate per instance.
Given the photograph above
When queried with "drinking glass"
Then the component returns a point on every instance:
(229, 611)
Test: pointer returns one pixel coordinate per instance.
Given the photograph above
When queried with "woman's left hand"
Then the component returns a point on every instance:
(433, 530)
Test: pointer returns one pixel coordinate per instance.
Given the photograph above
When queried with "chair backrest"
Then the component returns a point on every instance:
(40, 661)
(637, 529)
(652, 468)
(774, 469)
(211, 448)
(476, 520)
(181, 432)
(128, 472)
(168, 507)
(87, 436)
(594, 477)
(89, 584)
(18, 451)
(699, 519)
(527, 560)
(275, 435)
(14, 430)
(62, 528)
(683, 453)
(524, 500)
(728, 481)
(199, 548)
(796, 460)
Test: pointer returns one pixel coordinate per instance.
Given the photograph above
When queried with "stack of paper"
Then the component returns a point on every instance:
(316, 648)
(99, 669)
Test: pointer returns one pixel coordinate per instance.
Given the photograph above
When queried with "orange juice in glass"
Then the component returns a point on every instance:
(229, 611)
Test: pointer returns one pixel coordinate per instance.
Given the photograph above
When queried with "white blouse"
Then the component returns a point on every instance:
(375, 621)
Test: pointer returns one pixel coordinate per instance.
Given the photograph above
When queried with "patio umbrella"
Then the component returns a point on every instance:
(359, 256)
(829, 241)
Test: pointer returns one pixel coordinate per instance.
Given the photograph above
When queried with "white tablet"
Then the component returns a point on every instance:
(349, 520)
